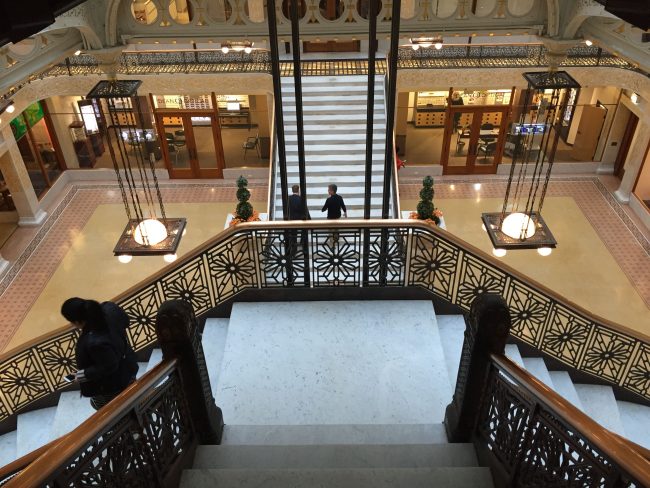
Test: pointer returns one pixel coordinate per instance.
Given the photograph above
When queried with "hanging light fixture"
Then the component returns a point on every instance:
(149, 231)
(426, 42)
(237, 46)
(520, 225)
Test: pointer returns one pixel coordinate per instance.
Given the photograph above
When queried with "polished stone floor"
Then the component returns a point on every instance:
(600, 264)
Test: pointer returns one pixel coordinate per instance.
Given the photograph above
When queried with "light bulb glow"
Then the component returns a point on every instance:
(415, 47)
(77, 52)
(10, 109)
(544, 251)
(426, 44)
(498, 252)
(224, 49)
(477, 186)
(170, 258)
(248, 50)
(483, 228)
(517, 225)
(588, 42)
(150, 232)
(124, 258)
(438, 45)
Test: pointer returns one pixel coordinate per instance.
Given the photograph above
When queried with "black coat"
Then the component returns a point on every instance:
(106, 357)
(296, 209)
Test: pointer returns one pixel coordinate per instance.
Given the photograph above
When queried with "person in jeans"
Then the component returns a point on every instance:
(106, 363)
(334, 204)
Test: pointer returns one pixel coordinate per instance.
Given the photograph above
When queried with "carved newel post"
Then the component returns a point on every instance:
(179, 338)
(486, 332)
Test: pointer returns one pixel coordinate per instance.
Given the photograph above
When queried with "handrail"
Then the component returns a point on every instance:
(630, 460)
(433, 259)
(13, 468)
(53, 458)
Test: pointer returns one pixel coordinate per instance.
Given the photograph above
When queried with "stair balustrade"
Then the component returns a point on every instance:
(403, 257)
(526, 433)
(149, 433)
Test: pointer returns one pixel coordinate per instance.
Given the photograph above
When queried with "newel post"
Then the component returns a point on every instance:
(486, 332)
(179, 338)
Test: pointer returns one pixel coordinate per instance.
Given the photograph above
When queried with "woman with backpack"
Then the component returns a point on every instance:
(106, 362)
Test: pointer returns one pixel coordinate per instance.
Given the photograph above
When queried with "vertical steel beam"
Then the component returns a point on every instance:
(370, 108)
(277, 105)
(390, 106)
(297, 85)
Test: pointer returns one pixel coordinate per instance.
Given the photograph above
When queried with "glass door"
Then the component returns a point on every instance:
(190, 144)
(474, 140)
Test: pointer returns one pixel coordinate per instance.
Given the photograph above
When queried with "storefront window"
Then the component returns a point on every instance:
(36, 148)
(6, 202)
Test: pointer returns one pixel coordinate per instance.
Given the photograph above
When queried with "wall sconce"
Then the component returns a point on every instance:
(6, 105)
(635, 98)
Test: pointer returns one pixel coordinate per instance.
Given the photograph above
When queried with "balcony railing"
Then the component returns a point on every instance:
(449, 57)
(280, 255)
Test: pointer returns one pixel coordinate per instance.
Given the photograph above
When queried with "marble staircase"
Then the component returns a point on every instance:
(334, 113)
(305, 415)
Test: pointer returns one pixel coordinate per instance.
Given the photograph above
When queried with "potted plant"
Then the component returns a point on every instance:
(426, 210)
(244, 211)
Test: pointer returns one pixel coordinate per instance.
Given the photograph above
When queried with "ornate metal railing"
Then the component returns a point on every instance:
(531, 437)
(255, 257)
(137, 442)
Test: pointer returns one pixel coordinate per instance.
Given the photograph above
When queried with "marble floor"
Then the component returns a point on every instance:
(334, 371)
(602, 262)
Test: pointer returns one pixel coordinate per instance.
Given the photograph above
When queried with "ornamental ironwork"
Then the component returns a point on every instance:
(264, 256)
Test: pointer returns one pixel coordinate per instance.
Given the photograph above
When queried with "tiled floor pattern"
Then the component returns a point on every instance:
(626, 243)
(30, 273)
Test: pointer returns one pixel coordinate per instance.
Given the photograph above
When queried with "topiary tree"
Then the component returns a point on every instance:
(426, 209)
(244, 209)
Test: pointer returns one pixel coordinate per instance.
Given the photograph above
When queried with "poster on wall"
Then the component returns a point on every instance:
(18, 127)
(30, 116)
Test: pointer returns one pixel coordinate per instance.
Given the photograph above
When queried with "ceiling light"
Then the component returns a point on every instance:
(544, 251)
(225, 49)
(124, 258)
(438, 45)
(238, 46)
(426, 42)
(498, 252)
(588, 42)
(415, 47)
(170, 258)
(248, 50)
(11, 109)
(77, 52)
(7, 105)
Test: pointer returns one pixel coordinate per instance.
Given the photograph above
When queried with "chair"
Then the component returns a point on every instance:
(252, 142)
(488, 149)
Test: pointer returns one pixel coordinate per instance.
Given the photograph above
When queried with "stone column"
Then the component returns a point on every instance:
(634, 161)
(401, 121)
(4, 266)
(17, 179)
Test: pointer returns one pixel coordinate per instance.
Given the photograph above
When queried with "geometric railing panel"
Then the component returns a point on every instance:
(392, 253)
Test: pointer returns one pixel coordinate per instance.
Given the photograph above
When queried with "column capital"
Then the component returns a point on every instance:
(556, 49)
(108, 59)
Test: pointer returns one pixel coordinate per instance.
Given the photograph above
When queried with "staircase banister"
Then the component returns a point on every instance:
(628, 459)
(65, 448)
(21, 463)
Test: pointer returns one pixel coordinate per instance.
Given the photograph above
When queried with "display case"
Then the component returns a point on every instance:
(430, 109)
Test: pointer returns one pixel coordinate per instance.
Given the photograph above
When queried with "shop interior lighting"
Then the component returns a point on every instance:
(425, 42)
(237, 46)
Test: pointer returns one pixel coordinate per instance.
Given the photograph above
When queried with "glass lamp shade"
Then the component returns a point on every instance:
(544, 251)
(518, 225)
(150, 232)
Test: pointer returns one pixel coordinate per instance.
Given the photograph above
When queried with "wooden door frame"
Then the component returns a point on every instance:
(471, 167)
(626, 142)
(194, 171)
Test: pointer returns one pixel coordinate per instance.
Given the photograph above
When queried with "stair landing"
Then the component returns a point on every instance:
(355, 362)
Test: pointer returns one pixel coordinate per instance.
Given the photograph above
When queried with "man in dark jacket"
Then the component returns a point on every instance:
(297, 211)
(106, 362)
(334, 204)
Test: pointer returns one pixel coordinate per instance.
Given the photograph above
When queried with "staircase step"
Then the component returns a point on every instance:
(335, 456)
(8, 447)
(214, 337)
(512, 351)
(155, 358)
(563, 384)
(367, 434)
(352, 148)
(340, 478)
(600, 404)
(358, 98)
(34, 430)
(314, 118)
(452, 332)
(537, 367)
(636, 422)
(71, 411)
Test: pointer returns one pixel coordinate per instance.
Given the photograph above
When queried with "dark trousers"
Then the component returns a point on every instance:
(98, 401)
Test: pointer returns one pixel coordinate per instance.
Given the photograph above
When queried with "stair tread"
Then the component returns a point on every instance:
(8, 443)
(636, 422)
(452, 329)
(341, 478)
(512, 351)
(537, 367)
(34, 430)
(71, 411)
(214, 338)
(600, 404)
(564, 386)
(335, 456)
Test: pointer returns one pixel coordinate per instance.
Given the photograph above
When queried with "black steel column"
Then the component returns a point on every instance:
(370, 113)
(390, 106)
(300, 127)
(277, 95)
(297, 86)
